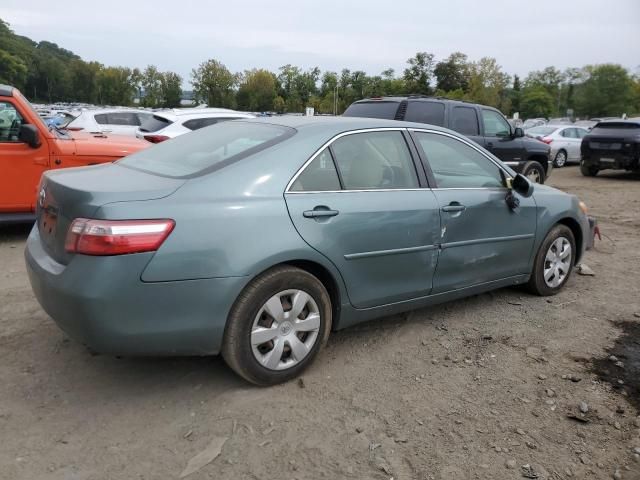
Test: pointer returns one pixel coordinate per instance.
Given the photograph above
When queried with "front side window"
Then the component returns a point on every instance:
(10, 122)
(465, 120)
(457, 165)
(494, 124)
(374, 160)
(581, 132)
(319, 176)
(207, 150)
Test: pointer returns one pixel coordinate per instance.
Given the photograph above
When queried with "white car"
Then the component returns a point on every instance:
(564, 141)
(115, 121)
(168, 124)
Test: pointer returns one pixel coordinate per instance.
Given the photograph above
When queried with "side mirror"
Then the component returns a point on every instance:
(29, 134)
(522, 185)
(518, 133)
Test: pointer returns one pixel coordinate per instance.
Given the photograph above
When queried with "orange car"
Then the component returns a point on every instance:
(28, 148)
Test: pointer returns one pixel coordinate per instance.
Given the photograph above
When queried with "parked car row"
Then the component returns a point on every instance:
(564, 141)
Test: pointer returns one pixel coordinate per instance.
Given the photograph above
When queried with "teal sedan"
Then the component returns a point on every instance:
(255, 239)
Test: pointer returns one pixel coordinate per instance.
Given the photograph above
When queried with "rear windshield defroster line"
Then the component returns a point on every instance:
(208, 149)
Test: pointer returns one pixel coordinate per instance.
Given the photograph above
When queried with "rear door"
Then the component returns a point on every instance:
(360, 203)
(482, 239)
(20, 165)
(464, 120)
(498, 139)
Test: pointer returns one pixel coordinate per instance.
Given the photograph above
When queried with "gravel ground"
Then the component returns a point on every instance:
(492, 387)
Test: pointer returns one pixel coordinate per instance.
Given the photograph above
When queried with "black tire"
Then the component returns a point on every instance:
(588, 170)
(236, 348)
(537, 283)
(534, 171)
(558, 161)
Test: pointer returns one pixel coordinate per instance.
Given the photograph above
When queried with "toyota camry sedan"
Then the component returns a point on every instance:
(255, 239)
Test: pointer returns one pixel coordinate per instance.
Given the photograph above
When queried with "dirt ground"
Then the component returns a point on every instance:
(485, 388)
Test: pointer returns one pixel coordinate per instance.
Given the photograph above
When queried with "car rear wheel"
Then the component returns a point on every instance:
(588, 170)
(561, 159)
(277, 326)
(554, 262)
(534, 171)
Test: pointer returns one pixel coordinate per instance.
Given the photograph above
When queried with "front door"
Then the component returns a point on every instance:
(20, 165)
(360, 204)
(498, 139)
(481, 239)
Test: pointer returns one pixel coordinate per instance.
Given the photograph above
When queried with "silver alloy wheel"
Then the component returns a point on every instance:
(534, 175)
(561, 158)
(557, 262)
(285, 329)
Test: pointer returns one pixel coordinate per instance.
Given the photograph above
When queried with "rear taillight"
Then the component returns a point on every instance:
(116, 237)
(546, 140)
(156, 138)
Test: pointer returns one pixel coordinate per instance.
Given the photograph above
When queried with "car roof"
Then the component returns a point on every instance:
(402, 98)
(97, 111)
(335, 125)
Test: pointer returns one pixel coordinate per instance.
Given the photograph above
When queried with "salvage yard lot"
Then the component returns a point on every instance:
(470, 389)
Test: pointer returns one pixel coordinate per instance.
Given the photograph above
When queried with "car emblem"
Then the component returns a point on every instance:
(42, 197)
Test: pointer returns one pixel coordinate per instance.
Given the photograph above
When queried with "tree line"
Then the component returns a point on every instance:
(46, 72)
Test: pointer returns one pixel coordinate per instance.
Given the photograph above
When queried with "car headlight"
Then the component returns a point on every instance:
(583, 207)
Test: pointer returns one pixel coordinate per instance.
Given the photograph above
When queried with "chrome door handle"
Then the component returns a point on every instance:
(453, 207)
(320, 213)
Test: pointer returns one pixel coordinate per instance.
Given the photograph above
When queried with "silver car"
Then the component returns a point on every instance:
(564, 141)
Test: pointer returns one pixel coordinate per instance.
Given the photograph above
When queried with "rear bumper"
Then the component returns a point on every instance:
(102, 303)
(612, 161)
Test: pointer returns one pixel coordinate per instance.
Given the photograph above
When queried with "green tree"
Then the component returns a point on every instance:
(419, 73)
(607, 91)
(115, 86)
(151, 82)
(214, 84)
(257, 91)
(488, 84)
(13, 71)
(171, 86)
(536, 102)
(452, 73)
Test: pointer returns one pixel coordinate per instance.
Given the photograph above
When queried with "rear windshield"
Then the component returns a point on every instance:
(541, 130)
(386, 110)
(207, 149)
(605, 127)
(153, 123)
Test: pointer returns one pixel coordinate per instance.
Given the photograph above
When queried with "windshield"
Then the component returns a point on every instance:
(21, 97)
(207, 149)
(541, 130)
(375, 109)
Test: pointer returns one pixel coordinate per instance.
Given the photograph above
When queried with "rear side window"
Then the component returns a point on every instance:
(101, 118)
(207, 150)
(385, 110)
(425, 112)
(153, 123)
(129, 119)
(465, 120)
(374, 160)
(319, 176)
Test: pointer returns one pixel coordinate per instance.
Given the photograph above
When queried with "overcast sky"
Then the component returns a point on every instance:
(370, 35)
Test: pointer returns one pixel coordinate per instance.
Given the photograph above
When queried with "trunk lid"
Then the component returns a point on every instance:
(67, 194)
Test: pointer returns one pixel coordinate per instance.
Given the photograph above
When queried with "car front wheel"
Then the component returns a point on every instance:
(277, 326)
(554, 262)
(561, 159)
(534, 171)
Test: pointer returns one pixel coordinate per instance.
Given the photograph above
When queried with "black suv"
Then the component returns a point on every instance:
(611, 145)
(484, 125)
